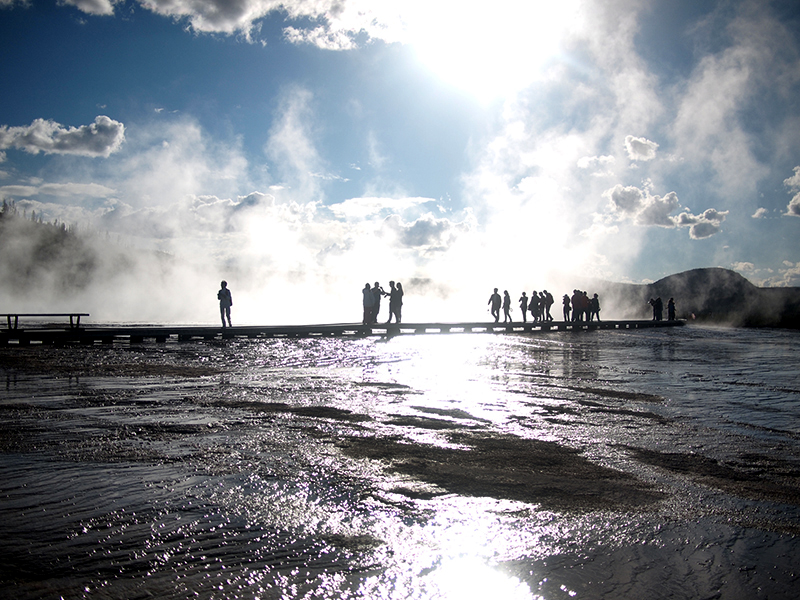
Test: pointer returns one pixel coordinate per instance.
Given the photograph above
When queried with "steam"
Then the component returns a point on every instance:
(562, 187)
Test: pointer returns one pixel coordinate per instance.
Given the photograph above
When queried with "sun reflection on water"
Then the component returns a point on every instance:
(466, 577)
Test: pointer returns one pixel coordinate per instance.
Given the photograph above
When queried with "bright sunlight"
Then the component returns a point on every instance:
(490, 53)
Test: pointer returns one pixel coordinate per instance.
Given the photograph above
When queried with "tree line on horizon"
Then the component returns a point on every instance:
(51, 257)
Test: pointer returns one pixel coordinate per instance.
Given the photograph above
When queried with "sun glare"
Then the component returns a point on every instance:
(469, 578)
(491, 50)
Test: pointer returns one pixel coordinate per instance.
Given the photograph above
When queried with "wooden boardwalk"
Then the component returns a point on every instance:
(109, 334)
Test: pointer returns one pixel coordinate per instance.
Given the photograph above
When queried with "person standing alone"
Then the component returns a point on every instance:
(225, 303)
(495, 300)
(506, 307)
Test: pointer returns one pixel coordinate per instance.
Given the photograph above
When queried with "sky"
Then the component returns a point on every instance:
(299, 149)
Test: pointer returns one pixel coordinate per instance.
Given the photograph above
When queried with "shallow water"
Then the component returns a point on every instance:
(606, 464)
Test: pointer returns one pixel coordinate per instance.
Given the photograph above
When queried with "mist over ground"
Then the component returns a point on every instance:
(53, 267)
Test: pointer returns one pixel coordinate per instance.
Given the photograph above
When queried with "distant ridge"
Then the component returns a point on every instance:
(712, 295)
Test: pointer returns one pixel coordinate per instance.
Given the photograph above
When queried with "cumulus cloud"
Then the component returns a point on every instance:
(743, 267)
(92, 7)
(92, 190)
(598, 165)
(368, 207)
(656, 210)
(591, 162)
(646, 209)
(640, 149)
(625, 200)
(322, 37)
(189, 216)
(704, 225)
(760, 213)
(427, 232)
(101, 138)
(793, 183)
(785, 277)
(793, 208)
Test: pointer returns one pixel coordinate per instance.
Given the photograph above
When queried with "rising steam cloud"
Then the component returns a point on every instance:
(565, 181)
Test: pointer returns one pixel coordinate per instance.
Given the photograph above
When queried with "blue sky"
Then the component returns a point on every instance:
(315, 144)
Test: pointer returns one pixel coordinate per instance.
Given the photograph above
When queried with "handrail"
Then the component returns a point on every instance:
(74, 318)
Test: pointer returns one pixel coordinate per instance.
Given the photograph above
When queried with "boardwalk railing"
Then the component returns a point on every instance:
(138, 334)
(13, 318)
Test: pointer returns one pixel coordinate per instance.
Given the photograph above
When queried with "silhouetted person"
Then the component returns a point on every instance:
(658, 308)
(391, 293)
(533, 306)
(594, 308)
(398, 309)
(377, 292)
(523, 306)
(506, 307)
(587, 305)
(548, 302)
(395, 301)
(576, 306)
(495, 300)
(369, 301)
(566, 305)
(225, 303)
(671, 309)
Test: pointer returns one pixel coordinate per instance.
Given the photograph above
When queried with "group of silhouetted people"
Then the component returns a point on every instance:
(658, 309)
(372, 302)
(581, 307)
(537, 305)
(578, 307)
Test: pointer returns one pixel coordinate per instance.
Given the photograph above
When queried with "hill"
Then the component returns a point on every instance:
(712, 295)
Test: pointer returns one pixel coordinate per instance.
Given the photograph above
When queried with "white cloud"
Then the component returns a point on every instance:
(92, 190)
(321, 37)
(793, 183)
(702, 226)
(646, 209)
(356, 209)
(215, 16)
(427, 232)
(760, 213)
(788, 277)
(743, 267)
(640, 149)
(598, 165)
(656, 210)
(793, 208)
(101, 138)
(625, 200)
(18, 191)
(93, 7)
